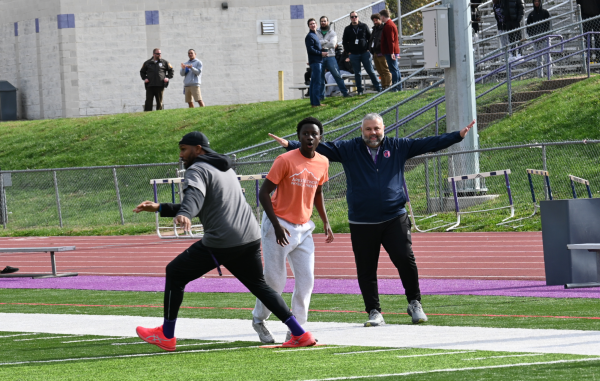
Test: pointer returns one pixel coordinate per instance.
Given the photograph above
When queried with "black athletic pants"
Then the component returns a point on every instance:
(395, 237)
(244, 262)
(151, 93)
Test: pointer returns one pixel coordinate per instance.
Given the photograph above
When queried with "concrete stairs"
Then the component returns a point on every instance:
(489, 114)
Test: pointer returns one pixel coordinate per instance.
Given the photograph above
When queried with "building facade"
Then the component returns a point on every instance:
(72, 58)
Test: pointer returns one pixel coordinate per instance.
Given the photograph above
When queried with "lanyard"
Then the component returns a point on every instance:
(370, 154)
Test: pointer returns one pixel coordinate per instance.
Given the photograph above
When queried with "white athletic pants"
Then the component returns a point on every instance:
(300, 253)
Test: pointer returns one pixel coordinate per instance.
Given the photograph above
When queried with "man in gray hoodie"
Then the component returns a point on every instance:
(192, 70)
(231, 239)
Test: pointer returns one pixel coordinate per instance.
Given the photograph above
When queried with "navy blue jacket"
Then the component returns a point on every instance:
(313, 48)
(374, 191)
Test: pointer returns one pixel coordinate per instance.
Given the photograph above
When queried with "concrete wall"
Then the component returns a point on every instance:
(93, 68)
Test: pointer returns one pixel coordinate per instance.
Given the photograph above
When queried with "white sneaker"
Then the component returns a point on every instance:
(375, 319)
(416, 312)
(263, 332)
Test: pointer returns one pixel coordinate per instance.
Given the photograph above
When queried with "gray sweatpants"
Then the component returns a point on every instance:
(300, 253)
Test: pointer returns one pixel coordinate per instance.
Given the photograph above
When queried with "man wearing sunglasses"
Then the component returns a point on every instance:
(155, 73)
(356, 42)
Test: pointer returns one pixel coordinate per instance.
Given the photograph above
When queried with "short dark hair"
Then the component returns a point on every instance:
(191, 50)
(324, 17)
(375, 16)
(154, 50)
(309, 120)
(352, 13)
(311, 19)
(384, 13)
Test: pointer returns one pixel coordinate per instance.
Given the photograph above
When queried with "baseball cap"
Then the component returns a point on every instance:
(197, 138)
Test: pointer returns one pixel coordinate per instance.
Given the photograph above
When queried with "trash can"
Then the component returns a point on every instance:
(567, 222)
(8, 101)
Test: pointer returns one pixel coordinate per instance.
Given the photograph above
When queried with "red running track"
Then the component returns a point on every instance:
(510, 255)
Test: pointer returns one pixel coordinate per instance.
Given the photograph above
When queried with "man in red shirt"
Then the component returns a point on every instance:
(390, 47)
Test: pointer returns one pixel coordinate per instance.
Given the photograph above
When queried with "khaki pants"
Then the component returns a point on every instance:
(382, 68)
(151, 93)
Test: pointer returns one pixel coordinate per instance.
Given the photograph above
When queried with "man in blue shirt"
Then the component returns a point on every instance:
(315, 60)
(374, 167)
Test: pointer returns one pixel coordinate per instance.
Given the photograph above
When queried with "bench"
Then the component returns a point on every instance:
(51, 250)
(588, 263)
(304, 88)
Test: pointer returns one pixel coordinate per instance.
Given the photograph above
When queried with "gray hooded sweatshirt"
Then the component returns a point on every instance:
(192, 76)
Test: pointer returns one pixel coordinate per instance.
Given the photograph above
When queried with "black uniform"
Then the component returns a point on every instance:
(155, 72)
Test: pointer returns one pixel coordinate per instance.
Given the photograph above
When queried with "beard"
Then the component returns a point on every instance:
(325, 27)
(372, 143)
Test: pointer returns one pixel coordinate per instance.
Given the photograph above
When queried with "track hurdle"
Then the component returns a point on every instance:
(535, 204)
(197, 230)
(412, 215)
(454, 179)
(575, 179)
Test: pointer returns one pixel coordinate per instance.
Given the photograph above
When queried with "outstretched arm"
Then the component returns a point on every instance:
(435, 143)
(264, 195)
(320, 205)
(334, 151)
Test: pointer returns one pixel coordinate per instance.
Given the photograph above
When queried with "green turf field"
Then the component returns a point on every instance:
(46, 356)
(445, 310)
(68, 357)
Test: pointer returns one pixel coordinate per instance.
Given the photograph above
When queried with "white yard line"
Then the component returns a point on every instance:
(20, 334)
(121, 356)
(455, 369)
(46, 338)
(514, 340)
(83, 341)
(501, 357)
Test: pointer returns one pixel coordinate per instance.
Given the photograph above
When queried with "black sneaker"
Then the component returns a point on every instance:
(9, 270)
(347, 95)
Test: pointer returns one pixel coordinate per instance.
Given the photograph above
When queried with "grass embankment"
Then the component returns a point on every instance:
(567, 114)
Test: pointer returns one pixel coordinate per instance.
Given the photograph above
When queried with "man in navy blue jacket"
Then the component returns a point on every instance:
(315, 60)
(374, 167)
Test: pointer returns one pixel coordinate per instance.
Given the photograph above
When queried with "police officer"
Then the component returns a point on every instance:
(155, 73)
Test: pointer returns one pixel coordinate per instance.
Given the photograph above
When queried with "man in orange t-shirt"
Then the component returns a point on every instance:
(297, 178)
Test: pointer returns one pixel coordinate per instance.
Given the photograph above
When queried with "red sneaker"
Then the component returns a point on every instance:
(305, 340)
(155, 336)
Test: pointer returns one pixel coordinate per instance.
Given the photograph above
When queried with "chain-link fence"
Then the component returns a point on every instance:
(432, 197)
(80, 197)
(103, 196)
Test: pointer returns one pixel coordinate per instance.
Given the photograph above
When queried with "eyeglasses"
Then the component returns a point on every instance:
(157, 54)
(353, 17)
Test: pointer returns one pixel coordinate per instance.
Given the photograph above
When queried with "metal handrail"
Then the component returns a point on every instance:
(358, 10)
(417, 10)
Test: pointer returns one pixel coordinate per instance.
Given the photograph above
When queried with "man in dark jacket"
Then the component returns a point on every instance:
(591, 8)
(390, 47)
(374, 168)
(513, 15)
(539, 14)
(315, 61)
(356, 43)
(155, 73)
(509, 14)
(375, 49)
(231, 238)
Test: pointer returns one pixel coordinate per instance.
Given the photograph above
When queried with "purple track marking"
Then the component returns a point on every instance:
(322, 286)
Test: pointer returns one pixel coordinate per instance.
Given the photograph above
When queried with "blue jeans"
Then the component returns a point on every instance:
(330, 64)
(393, 66)
(365, 59)
(315, 83)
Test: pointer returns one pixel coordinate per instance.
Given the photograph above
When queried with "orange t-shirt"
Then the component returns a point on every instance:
(297, 179)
